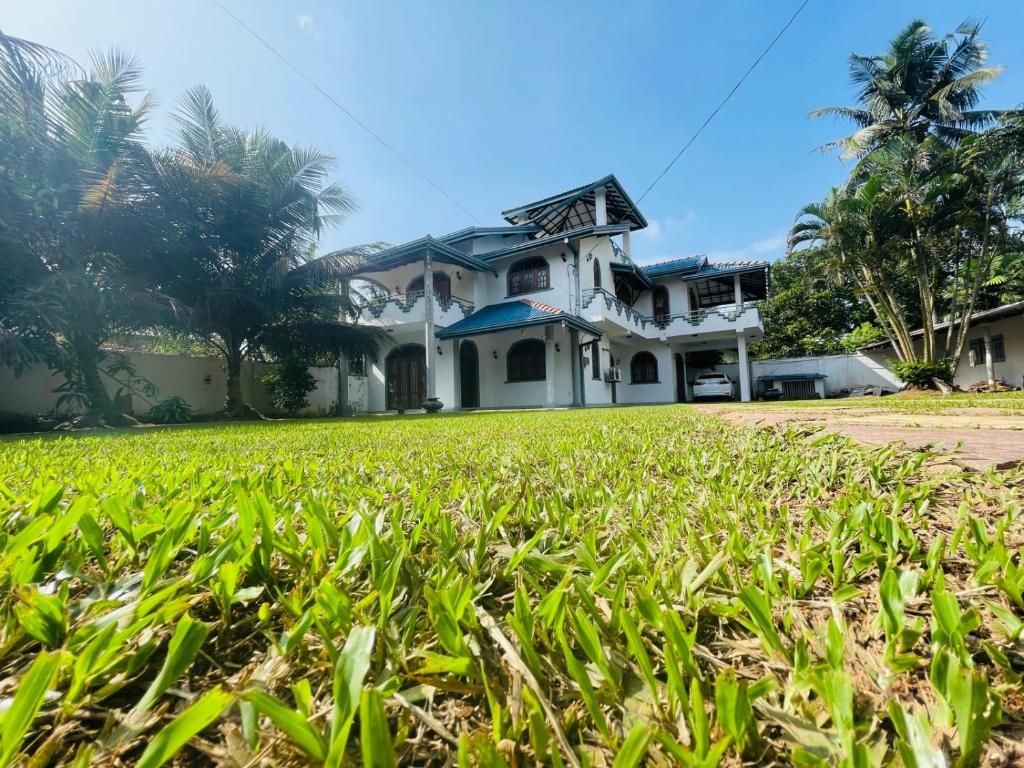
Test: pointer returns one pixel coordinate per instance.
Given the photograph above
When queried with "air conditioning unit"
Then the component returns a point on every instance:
(613, 374)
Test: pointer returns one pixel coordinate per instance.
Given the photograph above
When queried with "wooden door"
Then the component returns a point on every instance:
(406, 377)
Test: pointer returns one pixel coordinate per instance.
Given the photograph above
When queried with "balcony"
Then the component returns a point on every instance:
(601, 305)
(408, 308)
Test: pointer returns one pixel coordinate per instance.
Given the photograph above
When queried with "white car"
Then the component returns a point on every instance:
(712, 385)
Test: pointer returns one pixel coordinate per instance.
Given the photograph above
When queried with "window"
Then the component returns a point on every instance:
(661, 309)
(595, 357)
(977, 350)
(526, 361)
(528, 275)
(597, 273)
(442, 285)
(643, 368)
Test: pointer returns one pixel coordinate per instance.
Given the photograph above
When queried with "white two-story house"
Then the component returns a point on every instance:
(551, 310)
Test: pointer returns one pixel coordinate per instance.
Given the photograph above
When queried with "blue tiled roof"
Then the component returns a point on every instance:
(698, 266)
(686, 264)
(795, 377)
(513, 314)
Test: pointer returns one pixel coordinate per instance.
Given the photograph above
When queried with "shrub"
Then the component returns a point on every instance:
(289, 384)
(922, 375)
(172, 410)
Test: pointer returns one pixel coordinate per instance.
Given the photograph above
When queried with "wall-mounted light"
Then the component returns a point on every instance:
(564, 324)
(563, 258)
(557, 348)
(458, 275)
(398, 289)
(207, 379)
(439, 350)
(495, 353)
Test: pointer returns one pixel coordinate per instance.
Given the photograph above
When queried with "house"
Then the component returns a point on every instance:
(550, 309)
(994, 350)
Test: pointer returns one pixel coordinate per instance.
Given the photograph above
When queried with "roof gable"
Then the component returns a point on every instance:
(576, 208)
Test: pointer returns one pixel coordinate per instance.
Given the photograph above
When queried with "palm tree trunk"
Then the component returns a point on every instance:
(101, 406)
(235, 406)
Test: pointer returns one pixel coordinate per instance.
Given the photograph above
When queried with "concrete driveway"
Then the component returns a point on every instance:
(987, 437)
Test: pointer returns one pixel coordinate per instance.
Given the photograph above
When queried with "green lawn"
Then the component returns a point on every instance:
(570, 588)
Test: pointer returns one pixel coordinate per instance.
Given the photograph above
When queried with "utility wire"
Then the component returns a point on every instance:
(724, 101)
(344, 111)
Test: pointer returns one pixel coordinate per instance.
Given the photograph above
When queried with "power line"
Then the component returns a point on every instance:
(348, 114)
(725, 100)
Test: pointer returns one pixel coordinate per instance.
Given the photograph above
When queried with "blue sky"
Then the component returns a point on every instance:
(502, 103)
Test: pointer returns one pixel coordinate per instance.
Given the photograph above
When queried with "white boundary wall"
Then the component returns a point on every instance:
(841, 371)
(200, 381)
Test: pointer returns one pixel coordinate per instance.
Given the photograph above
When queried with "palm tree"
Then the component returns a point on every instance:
(71, 190)
(244, 212)
(922, 86)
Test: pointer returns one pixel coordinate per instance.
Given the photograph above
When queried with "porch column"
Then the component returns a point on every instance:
(456, 373)
(344, 406)
(741, 349)
(600, 207)
(575, 367)
(686, 385)
(990, 368)
(684, 305)
(626, 244)
(549, 364)
(739, 291)
(428, 313)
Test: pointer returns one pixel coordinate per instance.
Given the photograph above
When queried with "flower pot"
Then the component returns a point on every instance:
(432, 405)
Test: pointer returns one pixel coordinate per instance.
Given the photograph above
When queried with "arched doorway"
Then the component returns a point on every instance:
(405, 377)
(469, 374)
(442, 285)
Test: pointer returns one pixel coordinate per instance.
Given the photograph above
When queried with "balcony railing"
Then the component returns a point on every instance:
(611, 301)
(405, 302)
(695, 318)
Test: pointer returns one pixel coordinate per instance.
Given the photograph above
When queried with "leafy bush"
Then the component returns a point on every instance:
(173, 410)
(861, 336)
(923, 375)
(289, 384)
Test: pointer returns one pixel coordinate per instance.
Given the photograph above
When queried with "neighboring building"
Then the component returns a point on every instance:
(551, 310)
(994, 350)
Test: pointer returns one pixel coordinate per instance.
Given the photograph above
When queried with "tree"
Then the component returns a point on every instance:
(922, 86)
(71, 236)
(927, 208)
(244, 212)
(808, 312)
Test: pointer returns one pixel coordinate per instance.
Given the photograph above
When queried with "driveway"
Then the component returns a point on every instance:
(987, 437)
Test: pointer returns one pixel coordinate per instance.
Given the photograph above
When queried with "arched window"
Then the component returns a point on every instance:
(597, 273)
(528, 275)
(526, 361)
(643, 368)
(442, 285)
(661, 309)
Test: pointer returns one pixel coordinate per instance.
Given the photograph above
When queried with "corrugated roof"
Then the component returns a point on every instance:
(985, 316)
(513, 314)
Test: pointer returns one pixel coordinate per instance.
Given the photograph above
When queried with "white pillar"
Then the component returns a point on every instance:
(600, 207)
(626, 244)
(990, 368)
(574, 366)
(456, 374)
(549, 363)
(344, 407)
(741, 348)
(428, 326)
(739, 291)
